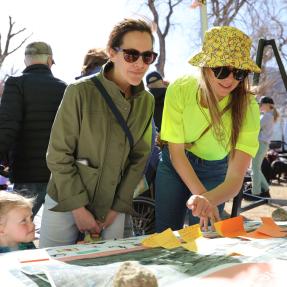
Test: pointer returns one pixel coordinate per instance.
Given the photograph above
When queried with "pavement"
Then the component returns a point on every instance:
(278, 192)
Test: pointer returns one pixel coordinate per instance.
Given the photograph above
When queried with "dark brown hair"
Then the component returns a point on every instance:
(95, 57)
(125, 26)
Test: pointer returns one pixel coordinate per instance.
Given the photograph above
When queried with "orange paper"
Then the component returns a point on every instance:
(257, 235)
(270, 222)
(231, 227)
(268, 229)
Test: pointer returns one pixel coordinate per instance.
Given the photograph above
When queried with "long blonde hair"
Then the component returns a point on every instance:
(276, 114)
(238, 105)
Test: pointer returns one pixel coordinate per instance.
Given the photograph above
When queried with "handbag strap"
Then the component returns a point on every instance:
(114, 109)
(209, 126)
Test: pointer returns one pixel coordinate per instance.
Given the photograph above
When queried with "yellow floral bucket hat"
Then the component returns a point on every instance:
(225, 46)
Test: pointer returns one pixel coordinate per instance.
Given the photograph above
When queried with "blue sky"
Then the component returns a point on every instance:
(72, 27)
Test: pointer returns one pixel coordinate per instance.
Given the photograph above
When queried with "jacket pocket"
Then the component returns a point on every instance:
(89, 176)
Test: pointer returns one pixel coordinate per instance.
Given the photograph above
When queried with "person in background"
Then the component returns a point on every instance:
(4, 182)
(17, 230)
(93, 62)
(269, 116)
(94, 170)
(211, 124)
(285, 134)
(28, 107)
(157, 87)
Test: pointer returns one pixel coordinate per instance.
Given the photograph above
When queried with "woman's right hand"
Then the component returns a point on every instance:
(199, 205)
(85, 221)
(211, 218)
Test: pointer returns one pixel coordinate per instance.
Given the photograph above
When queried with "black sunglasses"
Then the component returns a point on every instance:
(132, 55)
(223, 72)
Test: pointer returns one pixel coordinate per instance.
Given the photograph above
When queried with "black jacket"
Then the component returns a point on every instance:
(159, 96)
(27, 110)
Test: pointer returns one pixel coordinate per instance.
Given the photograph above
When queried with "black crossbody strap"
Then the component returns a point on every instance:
(114, 109)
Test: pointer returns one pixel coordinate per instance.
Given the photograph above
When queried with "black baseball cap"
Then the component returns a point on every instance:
(153, 77)
(266, 100)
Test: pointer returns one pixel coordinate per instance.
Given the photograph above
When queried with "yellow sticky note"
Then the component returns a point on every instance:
(167, 239)
(151, 241)
(190, 233)
(191, 246)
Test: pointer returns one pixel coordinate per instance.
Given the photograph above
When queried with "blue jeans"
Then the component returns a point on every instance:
(37, 190)
(172, 194)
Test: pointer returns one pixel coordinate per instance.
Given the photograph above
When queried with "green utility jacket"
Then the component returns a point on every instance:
(89, 156)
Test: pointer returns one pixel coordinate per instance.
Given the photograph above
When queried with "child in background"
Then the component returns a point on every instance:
(17, 230)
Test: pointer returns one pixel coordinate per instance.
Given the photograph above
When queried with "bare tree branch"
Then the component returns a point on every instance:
(10, 35)
(162, 32)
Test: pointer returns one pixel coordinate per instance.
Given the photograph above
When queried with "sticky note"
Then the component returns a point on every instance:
(257, 235)
(151, 241)
(267, 230)
(165, 239)
(269, 227)
(191, 246)
(231, 227)
(190, 233)
(270, 222)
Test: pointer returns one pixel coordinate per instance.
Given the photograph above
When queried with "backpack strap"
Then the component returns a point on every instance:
(114, 109)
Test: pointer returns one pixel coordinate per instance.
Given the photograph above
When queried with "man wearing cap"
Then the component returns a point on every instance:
(28, 107)
(157, 87)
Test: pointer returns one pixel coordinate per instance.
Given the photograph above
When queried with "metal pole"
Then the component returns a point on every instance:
(261, 44)
(279, 62)
(259, 56)
(203, 18)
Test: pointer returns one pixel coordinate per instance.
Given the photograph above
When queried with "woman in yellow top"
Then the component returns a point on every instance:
(211, 125)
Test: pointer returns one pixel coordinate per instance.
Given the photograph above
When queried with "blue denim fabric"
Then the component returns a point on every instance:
(37, 190)
(172, 194)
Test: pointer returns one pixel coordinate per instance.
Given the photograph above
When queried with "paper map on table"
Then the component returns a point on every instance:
(100, 248)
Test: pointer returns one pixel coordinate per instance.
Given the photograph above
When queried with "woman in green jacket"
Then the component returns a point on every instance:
(94, 171)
